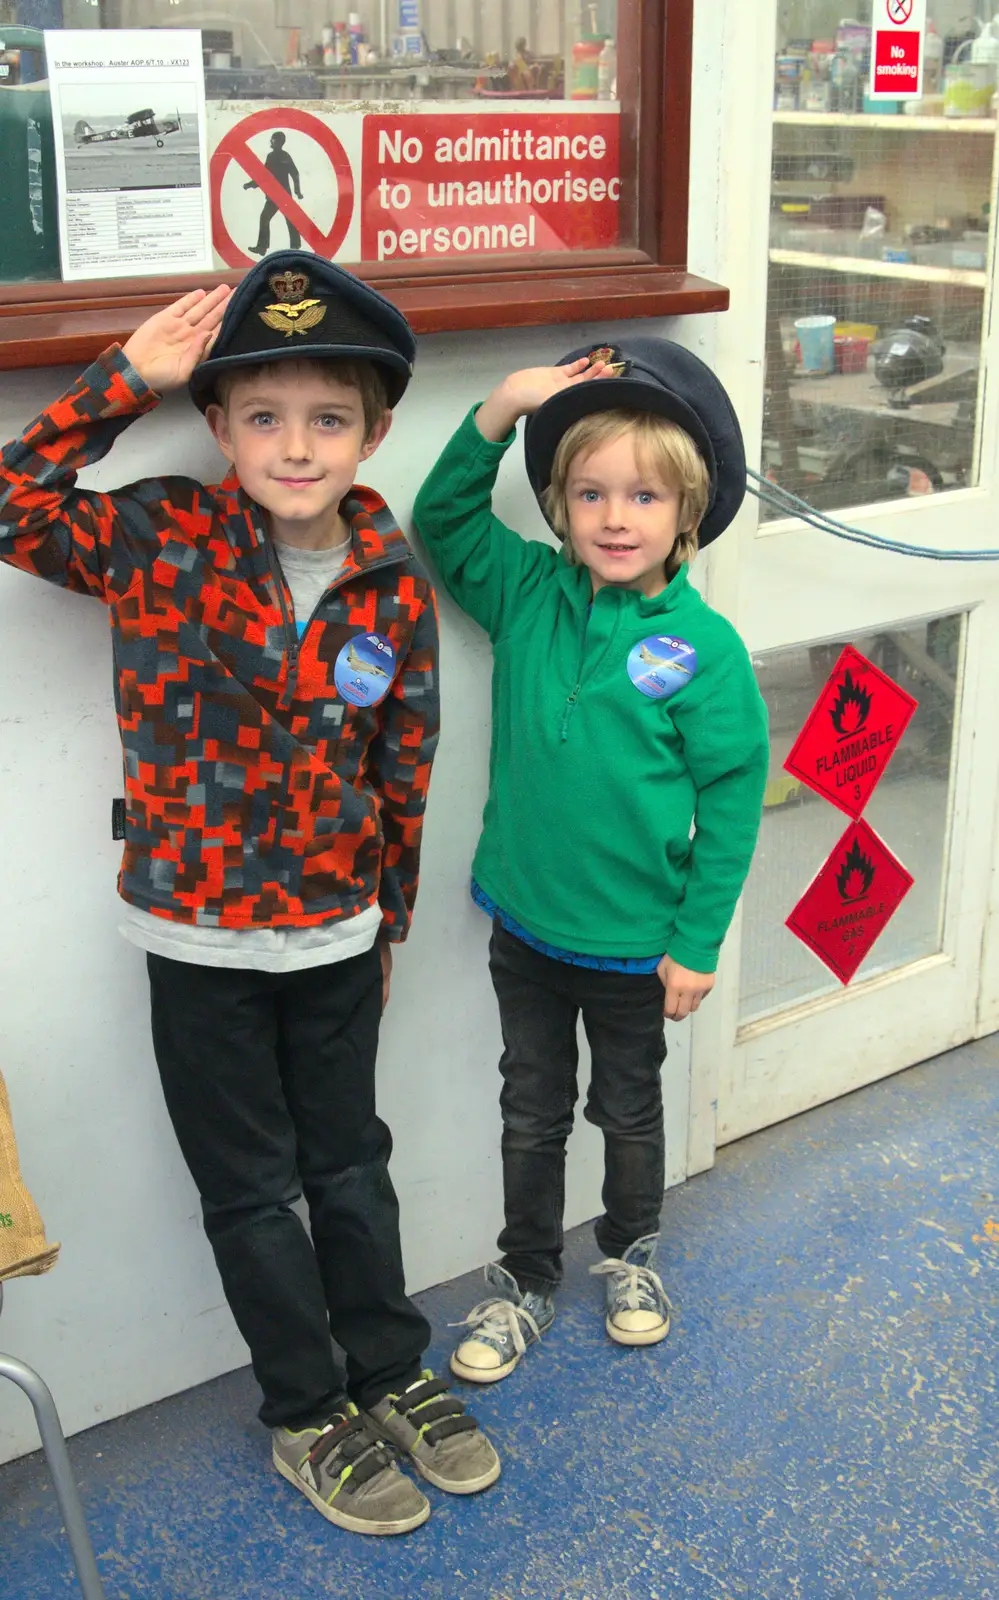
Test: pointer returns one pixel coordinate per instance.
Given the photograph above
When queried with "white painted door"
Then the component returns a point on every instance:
(869, 220)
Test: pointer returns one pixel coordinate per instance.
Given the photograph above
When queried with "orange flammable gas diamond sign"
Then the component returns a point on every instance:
(848, 904)
(852, 733)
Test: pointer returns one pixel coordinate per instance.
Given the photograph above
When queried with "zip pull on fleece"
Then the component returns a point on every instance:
(570, 706)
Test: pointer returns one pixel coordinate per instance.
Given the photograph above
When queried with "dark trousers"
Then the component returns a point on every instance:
(540, 1001)
(270, 1084)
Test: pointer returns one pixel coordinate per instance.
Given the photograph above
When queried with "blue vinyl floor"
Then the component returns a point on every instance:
(821, 1425)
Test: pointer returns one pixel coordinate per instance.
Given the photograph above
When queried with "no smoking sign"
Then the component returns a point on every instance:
(283, 177)
(897, 49)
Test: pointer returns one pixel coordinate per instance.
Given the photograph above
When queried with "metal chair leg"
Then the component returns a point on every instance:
(54, 1445)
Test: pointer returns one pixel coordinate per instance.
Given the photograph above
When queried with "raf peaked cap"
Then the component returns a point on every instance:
(659, 376)
(296, 305)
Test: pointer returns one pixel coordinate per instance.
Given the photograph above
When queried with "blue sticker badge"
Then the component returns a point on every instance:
(661, 665)
(364, 669)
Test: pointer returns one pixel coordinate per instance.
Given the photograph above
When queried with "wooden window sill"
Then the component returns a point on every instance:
(46, 325)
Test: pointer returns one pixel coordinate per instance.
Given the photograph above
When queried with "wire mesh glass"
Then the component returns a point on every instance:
(910, 809)
(880, 224)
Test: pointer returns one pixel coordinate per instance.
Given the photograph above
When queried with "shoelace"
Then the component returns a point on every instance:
(500, 1319)
(638, 1282)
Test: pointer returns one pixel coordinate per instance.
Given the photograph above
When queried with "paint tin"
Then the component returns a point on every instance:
(787, 82)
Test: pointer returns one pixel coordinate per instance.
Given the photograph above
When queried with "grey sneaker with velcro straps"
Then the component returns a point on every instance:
(349, 1474)
(444, 1443)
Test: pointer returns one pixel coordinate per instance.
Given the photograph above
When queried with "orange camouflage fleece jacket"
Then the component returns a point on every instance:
(275, 769)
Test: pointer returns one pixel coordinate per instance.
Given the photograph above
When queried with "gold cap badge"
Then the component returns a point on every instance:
(292, 312)
(617, 366)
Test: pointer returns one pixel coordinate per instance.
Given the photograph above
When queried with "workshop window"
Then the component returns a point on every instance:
(879, 252)
(405, 131)
(489, 163)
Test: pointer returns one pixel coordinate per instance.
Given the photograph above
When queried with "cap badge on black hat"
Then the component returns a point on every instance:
(293, 313)
(616, 364)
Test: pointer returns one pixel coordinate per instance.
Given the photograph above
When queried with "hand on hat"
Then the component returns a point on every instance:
(166, 348)
(523, 392)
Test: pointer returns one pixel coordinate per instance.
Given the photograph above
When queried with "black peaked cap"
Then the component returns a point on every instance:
(662, 377)
(295, 305)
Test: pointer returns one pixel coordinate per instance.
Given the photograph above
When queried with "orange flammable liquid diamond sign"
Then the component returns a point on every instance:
(852, 733)
(849, 903)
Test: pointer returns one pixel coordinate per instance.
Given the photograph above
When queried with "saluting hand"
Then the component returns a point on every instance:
(167, 347)
(523, 392)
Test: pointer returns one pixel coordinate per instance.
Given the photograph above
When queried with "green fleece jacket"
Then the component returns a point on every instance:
(600, 764)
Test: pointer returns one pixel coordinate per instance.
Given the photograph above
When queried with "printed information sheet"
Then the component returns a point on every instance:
(128, 110)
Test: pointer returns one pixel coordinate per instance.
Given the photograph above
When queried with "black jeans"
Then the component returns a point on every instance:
(270, 1084)
(540, 1001)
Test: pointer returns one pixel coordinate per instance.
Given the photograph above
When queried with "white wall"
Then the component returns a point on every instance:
(133, 1311)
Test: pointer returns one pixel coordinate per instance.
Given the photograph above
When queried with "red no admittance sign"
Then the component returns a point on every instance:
(434, 185)
(302, 128)
(448, 185)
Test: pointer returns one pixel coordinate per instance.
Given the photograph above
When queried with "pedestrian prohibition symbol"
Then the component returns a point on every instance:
(235, 146)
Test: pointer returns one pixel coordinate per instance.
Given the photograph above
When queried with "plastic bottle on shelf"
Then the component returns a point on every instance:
(355, 32)
(607, 72)
(985, 49)
(586, 68)
(933, 55)
(985, 54)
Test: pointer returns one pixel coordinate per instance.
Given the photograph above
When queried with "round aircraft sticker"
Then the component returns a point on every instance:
(364, 669)
(661, 665)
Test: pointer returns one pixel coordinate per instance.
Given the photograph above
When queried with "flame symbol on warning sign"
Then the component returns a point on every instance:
(855, 876)
(851, 708)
